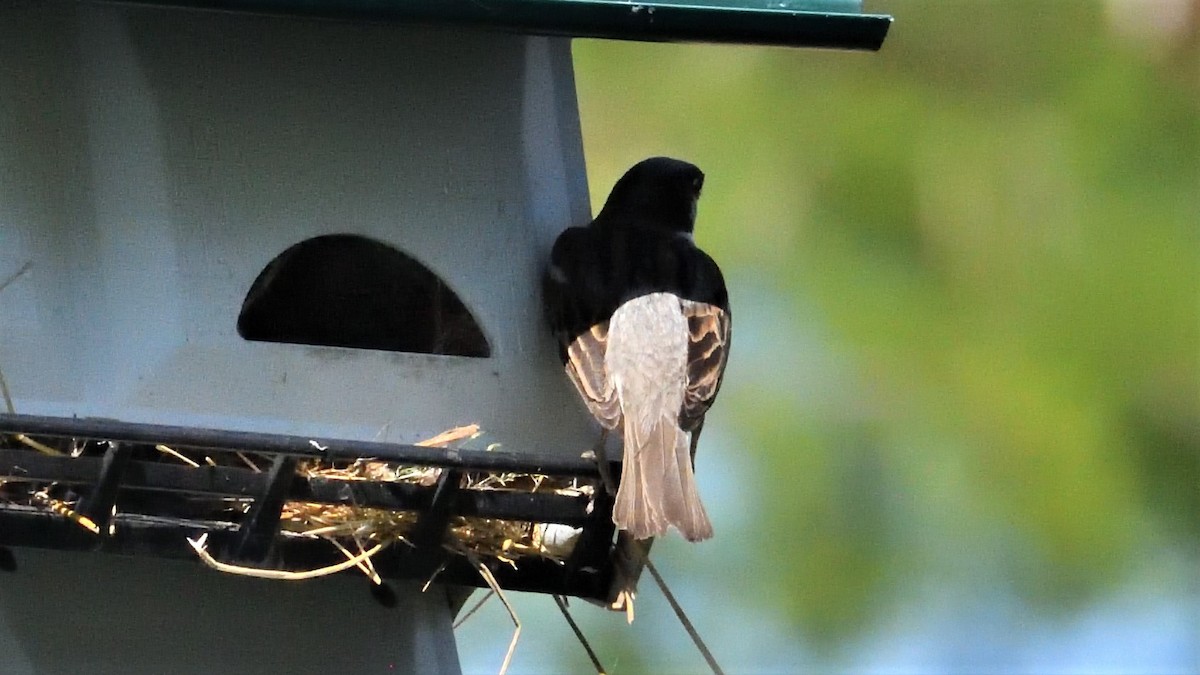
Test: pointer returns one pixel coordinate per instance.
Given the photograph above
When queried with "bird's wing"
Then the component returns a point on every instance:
(709, 329)
(585, 367)
(576, 318)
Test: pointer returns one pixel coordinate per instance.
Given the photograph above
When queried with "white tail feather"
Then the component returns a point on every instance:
(658, 487)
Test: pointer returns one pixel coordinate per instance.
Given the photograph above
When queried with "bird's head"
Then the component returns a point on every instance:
(658, 192)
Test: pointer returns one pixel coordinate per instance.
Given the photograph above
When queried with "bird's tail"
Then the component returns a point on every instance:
(658, 487)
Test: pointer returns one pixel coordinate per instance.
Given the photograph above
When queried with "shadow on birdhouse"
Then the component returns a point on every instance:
(343, 290)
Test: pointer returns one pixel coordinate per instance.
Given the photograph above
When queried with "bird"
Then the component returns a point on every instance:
(643, 324)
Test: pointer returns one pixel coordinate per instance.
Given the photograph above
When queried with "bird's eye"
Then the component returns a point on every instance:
(698, 183)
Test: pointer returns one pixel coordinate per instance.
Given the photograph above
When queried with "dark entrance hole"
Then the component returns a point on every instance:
(343, 290)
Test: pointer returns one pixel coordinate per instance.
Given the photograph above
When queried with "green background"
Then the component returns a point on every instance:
(960, 429)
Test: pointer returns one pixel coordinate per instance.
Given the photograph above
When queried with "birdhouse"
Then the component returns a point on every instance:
(242, 251)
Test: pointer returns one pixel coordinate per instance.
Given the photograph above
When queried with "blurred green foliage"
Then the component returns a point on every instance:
(995, 222)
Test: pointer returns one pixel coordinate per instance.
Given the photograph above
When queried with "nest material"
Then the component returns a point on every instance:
(502, 540)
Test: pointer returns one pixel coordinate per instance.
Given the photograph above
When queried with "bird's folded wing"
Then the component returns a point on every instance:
(585, 367)
(709, 329)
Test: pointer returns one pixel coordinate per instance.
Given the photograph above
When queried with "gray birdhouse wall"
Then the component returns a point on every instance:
(153, 165)
(155, 162)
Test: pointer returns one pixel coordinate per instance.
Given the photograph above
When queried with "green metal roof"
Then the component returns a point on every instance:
(838, 24)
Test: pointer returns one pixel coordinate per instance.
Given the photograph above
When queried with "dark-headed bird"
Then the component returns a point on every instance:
(642, 319)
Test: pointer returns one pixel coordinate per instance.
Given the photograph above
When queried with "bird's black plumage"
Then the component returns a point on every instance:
(636, 245)
(637, 261)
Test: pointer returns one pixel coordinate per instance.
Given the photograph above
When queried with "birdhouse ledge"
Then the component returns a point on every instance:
(253, 501)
